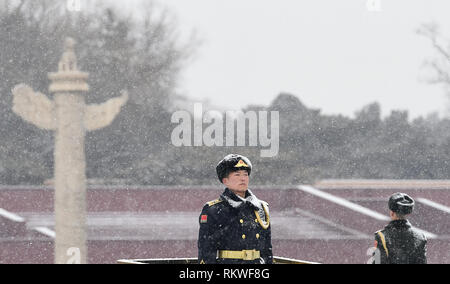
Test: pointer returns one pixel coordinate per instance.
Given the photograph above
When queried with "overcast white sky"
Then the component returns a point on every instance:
(336, 56)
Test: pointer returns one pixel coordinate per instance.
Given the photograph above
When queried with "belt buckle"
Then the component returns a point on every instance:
(249, 254)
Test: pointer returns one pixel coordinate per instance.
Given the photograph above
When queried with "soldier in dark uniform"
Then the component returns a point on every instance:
(235, 228)
(399, 242)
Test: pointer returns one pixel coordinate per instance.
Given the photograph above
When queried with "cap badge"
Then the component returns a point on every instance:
(241, 164)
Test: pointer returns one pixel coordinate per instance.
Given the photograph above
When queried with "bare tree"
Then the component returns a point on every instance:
(440, 64)
(119, 51)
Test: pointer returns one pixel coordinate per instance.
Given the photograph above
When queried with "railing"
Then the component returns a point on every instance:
(276, 260)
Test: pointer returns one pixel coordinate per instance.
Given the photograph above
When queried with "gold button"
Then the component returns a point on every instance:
(256, 220)
(257, 236)
(243, 236)
(242, 221)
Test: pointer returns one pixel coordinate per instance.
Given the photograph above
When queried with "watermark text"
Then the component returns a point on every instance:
(213, 128)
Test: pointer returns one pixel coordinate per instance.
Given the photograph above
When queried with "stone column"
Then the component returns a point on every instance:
(70, 118)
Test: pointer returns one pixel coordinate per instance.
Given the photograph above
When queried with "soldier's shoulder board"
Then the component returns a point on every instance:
(214, 202)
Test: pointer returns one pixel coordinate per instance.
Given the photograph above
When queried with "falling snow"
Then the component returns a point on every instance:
(327, 186)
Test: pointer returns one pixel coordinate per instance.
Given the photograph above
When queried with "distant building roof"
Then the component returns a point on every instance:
(382, 184)
(292, 224)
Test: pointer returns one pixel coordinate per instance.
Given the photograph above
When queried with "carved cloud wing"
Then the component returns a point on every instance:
(101, 115)
(33, 107)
